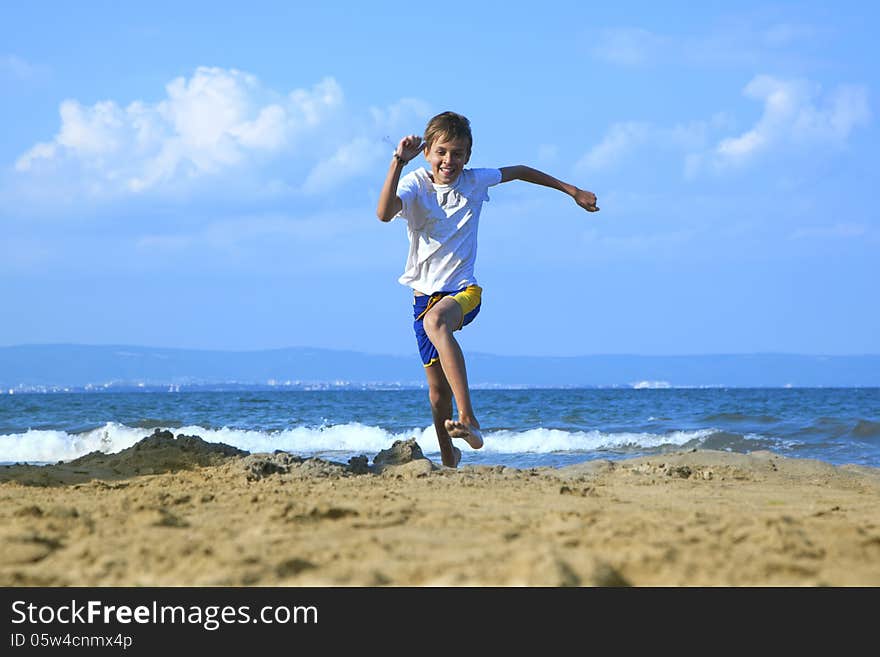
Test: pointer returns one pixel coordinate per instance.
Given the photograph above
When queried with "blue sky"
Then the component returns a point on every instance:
(205, 175)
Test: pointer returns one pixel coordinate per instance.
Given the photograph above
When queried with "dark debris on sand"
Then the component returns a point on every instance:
(163, 452)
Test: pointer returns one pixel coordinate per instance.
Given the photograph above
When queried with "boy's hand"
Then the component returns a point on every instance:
(409, 147)
(587, 200)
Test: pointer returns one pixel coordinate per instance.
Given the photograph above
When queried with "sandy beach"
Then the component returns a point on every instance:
(177, 511)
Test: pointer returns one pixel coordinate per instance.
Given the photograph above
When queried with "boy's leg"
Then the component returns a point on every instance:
(445, 317)
(440, 395)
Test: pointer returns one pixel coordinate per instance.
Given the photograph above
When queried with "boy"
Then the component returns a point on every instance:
(442, 209)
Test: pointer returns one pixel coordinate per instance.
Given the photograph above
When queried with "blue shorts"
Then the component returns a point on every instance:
(470, 300)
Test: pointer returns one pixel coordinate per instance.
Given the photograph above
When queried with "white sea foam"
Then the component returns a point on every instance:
(651, 385)
(537, 441)
(41, 446)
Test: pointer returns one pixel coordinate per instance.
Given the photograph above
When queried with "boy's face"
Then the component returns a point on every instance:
(447, 158)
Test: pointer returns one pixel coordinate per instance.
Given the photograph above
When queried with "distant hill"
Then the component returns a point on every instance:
(34, 367)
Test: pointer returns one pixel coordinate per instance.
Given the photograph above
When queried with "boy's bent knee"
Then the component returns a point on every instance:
(435, 324)
(443, 320)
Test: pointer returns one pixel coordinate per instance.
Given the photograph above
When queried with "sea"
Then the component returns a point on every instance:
(523, 428)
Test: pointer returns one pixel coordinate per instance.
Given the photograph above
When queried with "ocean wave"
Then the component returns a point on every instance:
(49, 446)
(835, 429)
(156, 423)
(866, 429)
(535, 441)
(741, 417)
(736, 442)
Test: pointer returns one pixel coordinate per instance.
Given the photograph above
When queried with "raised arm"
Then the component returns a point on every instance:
(389, 203)
(585, 199)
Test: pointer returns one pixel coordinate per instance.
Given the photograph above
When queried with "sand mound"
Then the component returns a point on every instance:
(160, 452)
(212, 515)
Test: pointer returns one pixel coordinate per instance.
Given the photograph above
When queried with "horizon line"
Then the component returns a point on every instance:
(472, 353)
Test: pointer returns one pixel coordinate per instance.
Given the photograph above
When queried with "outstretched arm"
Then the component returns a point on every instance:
(585, 199)
(389, 203)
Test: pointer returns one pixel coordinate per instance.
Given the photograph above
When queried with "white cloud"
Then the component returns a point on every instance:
(16, 67)
(624, 139)
(399, 116)
(213, 121)
(216, 123)
(358, 156)
(795, 113)
(362, 154)
(783, 34)
(750, 41)
(629, 46)
(619, 141)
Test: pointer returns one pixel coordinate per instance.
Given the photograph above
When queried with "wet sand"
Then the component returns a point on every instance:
(180, 512)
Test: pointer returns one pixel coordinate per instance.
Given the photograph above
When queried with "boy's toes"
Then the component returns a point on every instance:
(455, 429)
(471, 434)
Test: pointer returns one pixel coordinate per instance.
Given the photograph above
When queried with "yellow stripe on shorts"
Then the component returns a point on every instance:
(469, 298)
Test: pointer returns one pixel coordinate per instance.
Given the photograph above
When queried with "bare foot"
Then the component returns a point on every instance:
(468, 432)
(456, 455)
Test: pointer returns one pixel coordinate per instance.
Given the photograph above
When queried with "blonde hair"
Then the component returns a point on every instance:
(450, 126)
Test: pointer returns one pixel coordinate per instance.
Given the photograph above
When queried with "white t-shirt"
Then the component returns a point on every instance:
(441, 224)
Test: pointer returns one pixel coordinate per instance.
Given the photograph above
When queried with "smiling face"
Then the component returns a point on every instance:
(447, 158)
